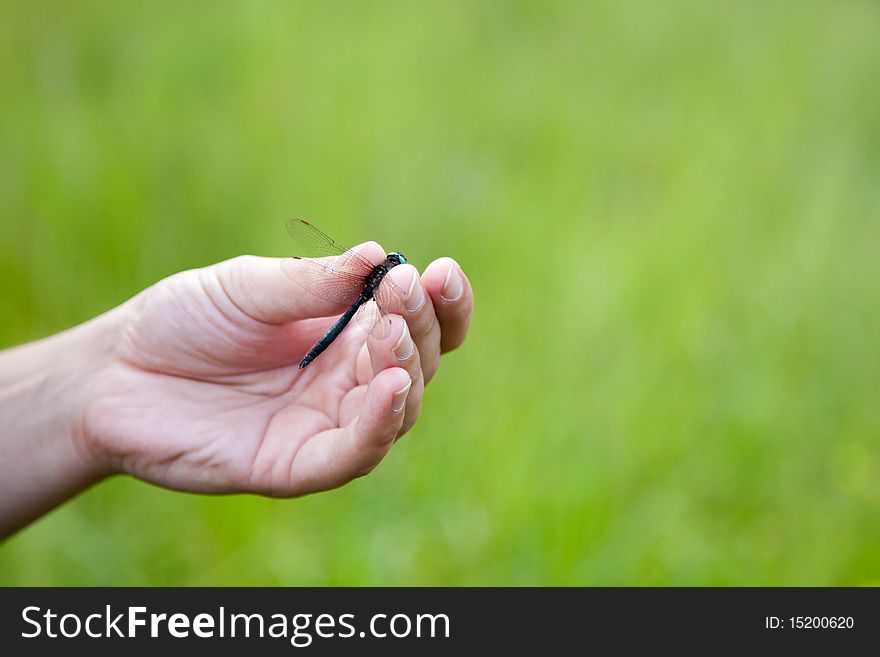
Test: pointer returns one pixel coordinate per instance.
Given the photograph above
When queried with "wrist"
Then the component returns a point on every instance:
(46, 455)
(83, 355)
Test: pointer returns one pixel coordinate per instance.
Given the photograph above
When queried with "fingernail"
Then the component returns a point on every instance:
(405, 347)
(453, 287)
(398, 400)
(415, 296)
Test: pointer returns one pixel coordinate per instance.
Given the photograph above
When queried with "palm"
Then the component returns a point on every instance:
(204, 394)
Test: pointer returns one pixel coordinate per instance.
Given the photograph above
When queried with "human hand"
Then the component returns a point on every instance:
(203, 392)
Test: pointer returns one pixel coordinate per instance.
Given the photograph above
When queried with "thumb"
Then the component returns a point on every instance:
(280, 290)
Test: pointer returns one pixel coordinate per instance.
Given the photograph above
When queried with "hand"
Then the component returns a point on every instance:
(203, 391)
(194, 385)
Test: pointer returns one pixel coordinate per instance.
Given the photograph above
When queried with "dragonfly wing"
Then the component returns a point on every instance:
(374, 320)
(317, 244)
(389, 295)
(324, 281)
(373, 315)
(339, 275)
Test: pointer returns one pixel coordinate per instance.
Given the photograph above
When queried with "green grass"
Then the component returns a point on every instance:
(670, 213)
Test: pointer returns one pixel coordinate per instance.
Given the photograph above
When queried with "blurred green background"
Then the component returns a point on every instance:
(670, 213)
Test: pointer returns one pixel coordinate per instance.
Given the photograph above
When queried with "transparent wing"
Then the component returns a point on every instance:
(323, 281)
(339, 275)
(317, 244)
(314, 242)
(331, 272)
(389, 295)
(373, 315)
(374, 320)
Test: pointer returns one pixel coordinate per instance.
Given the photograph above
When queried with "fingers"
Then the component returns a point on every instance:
(417, 309)
(453, 300)
(335, 457)
(398, 350)
(437, 308)
(275, 290)
(378, 412)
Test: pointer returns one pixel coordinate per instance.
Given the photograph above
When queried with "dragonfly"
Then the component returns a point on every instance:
(343, 277)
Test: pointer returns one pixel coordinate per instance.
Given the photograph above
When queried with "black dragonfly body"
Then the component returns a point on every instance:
(347, 279)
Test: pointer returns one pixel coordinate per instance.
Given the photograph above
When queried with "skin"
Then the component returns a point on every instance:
(193, 385)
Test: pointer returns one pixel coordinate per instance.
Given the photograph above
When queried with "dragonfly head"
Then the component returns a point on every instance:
(395, 258)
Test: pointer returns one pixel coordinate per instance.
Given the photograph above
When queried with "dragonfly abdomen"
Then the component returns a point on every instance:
(333, 332)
